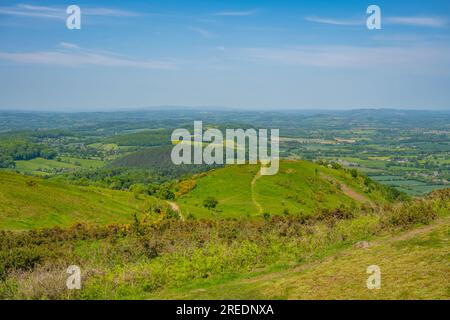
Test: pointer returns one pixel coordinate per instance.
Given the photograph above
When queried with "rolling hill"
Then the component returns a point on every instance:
(30, 202)
(282, 257)
(300, 188)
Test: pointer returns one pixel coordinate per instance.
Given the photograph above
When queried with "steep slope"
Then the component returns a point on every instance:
(300, 187)
(28, 202)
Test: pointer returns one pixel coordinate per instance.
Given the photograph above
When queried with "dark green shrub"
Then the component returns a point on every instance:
(210, 203)
(409, 214)
(166, 194)
(19, 259)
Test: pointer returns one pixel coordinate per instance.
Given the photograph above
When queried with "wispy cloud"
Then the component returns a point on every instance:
(203, 32)
(349, 56)
(72, 55)
(107, 12)
(337, 22)
(26, 10)
(433, 22)
(68, 45)
(236, 13)
(34, 12)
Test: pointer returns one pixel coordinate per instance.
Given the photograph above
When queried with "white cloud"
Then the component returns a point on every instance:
(107, 12)
(68, 45)
(236, 13)
(203, 32)
(433, 22)
(74, 56)
(349, 56)
(335, 21)
(25, 10)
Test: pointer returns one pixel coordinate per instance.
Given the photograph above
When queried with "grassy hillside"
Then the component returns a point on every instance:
(29, 202)
(413, 264)
(282, 257)
(300, 188)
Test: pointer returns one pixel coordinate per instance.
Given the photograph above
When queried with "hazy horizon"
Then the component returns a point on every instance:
(213, 109)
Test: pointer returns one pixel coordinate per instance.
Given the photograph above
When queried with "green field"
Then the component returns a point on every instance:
(84, 163)
(408, 186)
(41, 166)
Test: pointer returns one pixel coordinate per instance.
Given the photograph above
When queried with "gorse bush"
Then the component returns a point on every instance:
(20, 259)
(418, 212)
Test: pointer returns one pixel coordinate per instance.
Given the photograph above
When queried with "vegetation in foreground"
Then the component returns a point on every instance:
(158, 256)
(414, 264)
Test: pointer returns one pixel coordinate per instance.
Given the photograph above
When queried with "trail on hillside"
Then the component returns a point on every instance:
(349, 192)
(421, 230)
(255, 202)
(352, 193)
(175, 207)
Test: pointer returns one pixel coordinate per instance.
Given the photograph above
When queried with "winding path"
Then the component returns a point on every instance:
(256, 203)
(175, 207)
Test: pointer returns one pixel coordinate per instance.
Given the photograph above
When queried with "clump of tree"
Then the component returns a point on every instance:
(210, 203)
(7, 161)
(165, 193)
(23, 150)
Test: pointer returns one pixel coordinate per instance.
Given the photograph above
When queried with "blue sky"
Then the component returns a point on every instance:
(253, 54)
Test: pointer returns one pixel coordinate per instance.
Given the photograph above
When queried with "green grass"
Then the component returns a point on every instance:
(231, 186)
(41, 164)
(414, 265)
(29, 202)
(300, 187)
(84, 163)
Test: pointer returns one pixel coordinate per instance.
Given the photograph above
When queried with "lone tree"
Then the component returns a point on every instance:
(210, 203)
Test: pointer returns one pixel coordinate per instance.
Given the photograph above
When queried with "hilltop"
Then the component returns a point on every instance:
(299, 188)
